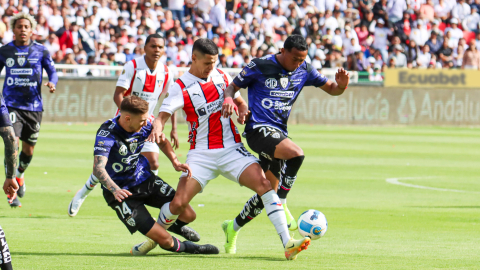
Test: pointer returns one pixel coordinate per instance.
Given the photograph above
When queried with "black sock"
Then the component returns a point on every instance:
(24, 162)
(177, 227)
(252, 208)
(289, 175)
(178, 246)
(5, 257)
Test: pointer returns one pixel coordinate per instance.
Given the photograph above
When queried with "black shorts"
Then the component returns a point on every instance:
(26, 124)
(264, 141)
(132, 212)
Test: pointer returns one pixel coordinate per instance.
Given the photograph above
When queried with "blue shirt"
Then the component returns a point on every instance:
(125, 165)
(23, 75)
(272, 90)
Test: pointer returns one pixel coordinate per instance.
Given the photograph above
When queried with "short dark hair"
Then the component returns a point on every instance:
(134, 105)
(297, 42)
(205, 46)
(153, 36)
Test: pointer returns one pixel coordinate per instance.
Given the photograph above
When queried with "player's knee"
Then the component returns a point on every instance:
(177, 206)
(264, 186)
(164, 242)
(154, 165)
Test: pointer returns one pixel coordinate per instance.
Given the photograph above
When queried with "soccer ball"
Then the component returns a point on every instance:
(312, 223)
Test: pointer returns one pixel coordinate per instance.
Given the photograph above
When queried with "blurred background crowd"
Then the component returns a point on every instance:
(360, 35)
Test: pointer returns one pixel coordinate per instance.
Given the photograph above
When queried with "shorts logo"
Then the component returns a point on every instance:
(21, 60)
(271, 83)
(10, 62)
(37, 126)
(123, 150)
(131, 221)
(284, 82)
(103, 133)
(276, 135)
(265, 155)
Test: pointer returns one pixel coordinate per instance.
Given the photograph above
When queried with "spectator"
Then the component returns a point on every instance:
(461, 10)
(427, 10)
(442, 10)
(458, 54)
(424, 57)
(380, 10)
(446, 54)
(217, 16)
(396, 9)
(434, 43)
(419, 34)
(381, 35)
(403, 27)
(400, 58)
(456, 33)
(412, 52)
(471, 57)
(471, 21)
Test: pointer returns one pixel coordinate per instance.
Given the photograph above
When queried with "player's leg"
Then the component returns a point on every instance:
(151, 152)
(5, 257)
(81, 195)
(17, 123)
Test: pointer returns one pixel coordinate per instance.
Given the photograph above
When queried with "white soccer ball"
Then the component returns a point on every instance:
(312, 223)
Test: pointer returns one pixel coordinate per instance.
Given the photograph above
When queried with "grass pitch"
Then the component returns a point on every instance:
(426, 217)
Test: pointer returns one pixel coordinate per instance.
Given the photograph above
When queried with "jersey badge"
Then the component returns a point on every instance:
(122, 150)
(271, 83)
(160, 82)
(284, 82)
(133, 146)
(123, 72)
(10, 62)
(21, 60)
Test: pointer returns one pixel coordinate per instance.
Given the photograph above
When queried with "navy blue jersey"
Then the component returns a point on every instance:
(125, 165)
(4, 116)
(272, 90)
(23, 75)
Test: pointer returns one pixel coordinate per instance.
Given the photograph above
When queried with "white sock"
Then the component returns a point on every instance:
(89, 186)
(236, 227)
(155, 172)
(166, 218)
(276, 214)
(19, 174)
(283, 201)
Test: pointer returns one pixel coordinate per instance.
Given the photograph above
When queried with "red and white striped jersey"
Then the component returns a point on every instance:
(142, 82)
(202, 102)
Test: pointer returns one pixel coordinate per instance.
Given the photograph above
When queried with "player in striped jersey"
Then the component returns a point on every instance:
(216, 147)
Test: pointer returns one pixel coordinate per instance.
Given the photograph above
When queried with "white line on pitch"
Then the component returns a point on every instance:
(396, 181)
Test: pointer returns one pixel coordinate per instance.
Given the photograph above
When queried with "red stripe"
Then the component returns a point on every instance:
(166, 79)
(118, 112)
(150, 83)
(215, 131)
(236, 136)
(224, 76)
(192, 116)
(182, 85)
(210, 92)
(129, 91)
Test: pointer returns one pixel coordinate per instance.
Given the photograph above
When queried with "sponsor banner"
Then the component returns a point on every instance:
(92, 101)
(432, 78)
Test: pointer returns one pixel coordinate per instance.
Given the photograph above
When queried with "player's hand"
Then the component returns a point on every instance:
(121, 194)
(157, 135)
(10, 188)
(174, 139)
(228, 107)
(51, 86)
(342, 77)
(179, 167)
(243, 116)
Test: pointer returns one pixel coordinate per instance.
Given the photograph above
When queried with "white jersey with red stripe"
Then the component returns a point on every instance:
(140, 81)
(202, 102)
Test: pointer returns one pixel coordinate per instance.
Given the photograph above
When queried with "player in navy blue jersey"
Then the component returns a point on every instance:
(24, 61)
(10, 186)
(274, 83)
(129, 184)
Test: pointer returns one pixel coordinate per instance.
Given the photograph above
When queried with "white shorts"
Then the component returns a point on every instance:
(209, 164)
(150, 147)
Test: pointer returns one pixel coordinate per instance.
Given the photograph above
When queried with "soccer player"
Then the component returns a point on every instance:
(129, 184)
(25, 60)
(274, 83)
(147, 78)
(10, 186)
(216, 148)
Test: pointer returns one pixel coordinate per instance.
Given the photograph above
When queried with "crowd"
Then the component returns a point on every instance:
(360, 35)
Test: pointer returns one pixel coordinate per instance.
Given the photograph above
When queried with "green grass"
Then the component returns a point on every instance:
(372, 224)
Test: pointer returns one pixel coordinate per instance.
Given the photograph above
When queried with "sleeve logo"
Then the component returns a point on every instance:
(250, 65)
(103, 133)
(123, 72)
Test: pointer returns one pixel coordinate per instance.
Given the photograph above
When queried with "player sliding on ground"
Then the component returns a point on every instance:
(274, 83)
(24, 61)
(216, 148)
(146, 78)
(129, 184)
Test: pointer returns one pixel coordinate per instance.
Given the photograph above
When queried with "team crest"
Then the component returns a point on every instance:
(222, 86)
(160, 83)
(133, 147)
(21, 60)
(10, 62)
(123, 150)
(284, 82)
(131, 222)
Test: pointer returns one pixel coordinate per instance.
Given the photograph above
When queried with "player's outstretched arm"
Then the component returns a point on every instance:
(48, 65)
(167, 149)
(228, 104)
(173, 133)
(157, 127)
(102, 175)
(342, 78)
(10, 186)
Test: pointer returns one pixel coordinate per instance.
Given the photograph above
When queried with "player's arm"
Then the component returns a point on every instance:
(167, 149)
(100, 172)
(243, 111)
(123, 83)
(173, 133)
(342, 78)
(10, 186)
(242, 80)
(48, 65)
(119, 95)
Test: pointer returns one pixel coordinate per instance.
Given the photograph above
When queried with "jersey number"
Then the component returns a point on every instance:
(126, 210)
(265, 131)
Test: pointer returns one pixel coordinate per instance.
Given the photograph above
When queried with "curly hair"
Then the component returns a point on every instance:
(25, 16)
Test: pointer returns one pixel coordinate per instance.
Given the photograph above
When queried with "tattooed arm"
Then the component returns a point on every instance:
(11, 155)
(102, 175)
